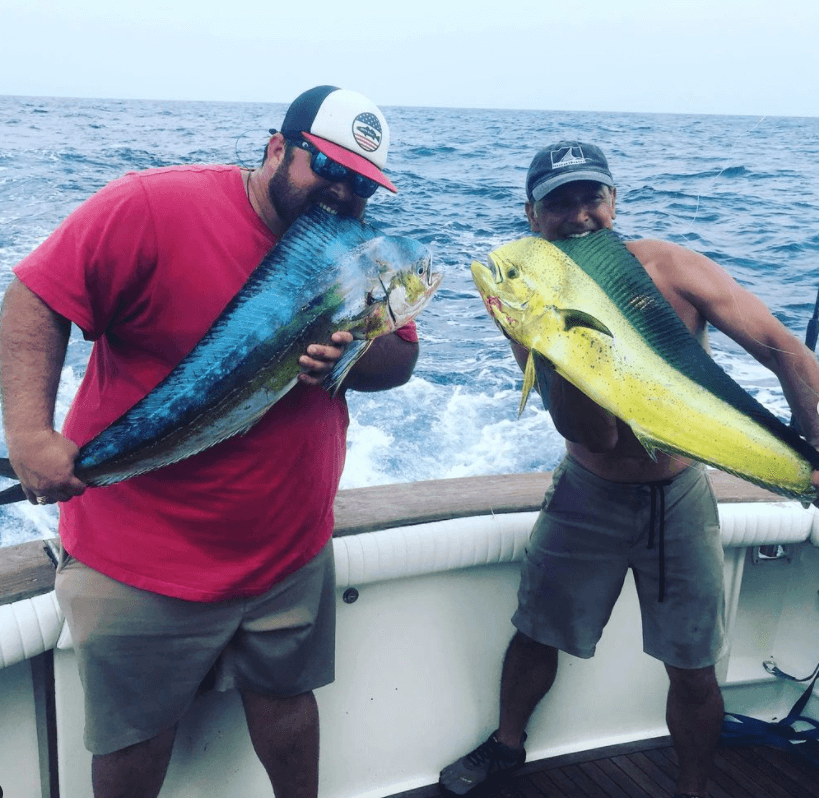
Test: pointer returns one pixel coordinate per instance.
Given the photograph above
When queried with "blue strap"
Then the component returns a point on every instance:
(745, 730)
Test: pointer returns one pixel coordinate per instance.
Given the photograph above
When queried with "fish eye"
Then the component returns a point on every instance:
(422, 270)
(511, 273)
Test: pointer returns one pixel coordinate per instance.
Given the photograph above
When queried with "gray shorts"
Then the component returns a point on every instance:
(142, 656)
(590, 531)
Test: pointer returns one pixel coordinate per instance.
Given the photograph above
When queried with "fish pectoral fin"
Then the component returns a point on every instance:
(353, 351)
(528, 382)
(647, 443)
(578, 318)
(370, 307)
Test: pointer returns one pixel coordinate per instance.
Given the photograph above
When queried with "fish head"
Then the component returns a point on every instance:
(531, 289)
(410, 289)
(517, 286)
(398, 285)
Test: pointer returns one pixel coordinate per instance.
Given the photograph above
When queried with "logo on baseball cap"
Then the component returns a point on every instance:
(344, 125)
(566, 162)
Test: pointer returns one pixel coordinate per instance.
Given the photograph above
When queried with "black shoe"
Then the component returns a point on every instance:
(489, 760)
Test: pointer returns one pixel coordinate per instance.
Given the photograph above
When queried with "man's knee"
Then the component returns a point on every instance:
(524, 640)
(137, 770)
(268, 715)
(525, 648)
(695, 685)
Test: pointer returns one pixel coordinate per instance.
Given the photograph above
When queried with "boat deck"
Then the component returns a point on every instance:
(648, 769)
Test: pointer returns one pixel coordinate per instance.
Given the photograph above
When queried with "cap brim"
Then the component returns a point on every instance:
(542, 189)
(351, 160)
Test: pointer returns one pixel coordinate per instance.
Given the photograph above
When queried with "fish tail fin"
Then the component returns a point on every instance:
(529, 377)
(13, 494)
(5, 469)
(342, 368)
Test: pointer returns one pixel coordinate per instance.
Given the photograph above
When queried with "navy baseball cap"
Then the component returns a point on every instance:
(565, 162)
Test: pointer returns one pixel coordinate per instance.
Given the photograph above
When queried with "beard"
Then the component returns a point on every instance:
(290, 202)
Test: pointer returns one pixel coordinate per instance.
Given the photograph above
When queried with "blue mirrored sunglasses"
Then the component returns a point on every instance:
(333, 171)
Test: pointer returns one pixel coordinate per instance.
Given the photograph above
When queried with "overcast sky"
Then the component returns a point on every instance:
(757, 57)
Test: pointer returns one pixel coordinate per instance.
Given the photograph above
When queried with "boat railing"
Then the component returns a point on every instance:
(400, 531)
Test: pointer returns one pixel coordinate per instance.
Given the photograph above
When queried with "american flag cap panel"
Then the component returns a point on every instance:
(355, 123)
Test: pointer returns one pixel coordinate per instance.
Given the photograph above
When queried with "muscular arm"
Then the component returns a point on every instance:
(388, 363)
(695, 284)
(746, 319)
(720, 300)
(33, 341)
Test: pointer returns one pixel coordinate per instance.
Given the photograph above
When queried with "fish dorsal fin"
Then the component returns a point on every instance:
(296, 268)
(5, 469)
(604, 257)
(315, 239)
(528, 382)
(13, 494)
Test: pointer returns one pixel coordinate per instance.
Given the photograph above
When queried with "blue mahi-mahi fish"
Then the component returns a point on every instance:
(591, 310)
(328, 273)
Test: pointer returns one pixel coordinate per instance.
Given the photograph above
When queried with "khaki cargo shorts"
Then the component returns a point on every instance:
(142, 656)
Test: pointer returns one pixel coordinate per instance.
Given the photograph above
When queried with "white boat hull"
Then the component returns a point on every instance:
(418, 664)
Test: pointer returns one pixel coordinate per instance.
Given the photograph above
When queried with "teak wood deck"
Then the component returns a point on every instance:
(648, 769)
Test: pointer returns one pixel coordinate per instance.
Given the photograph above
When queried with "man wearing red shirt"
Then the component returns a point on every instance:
(222, 560)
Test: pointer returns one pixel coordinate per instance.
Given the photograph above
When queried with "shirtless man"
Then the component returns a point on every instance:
(608, 483)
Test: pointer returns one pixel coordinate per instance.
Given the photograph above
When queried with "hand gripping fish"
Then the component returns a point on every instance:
(588, 307)
(327, 273)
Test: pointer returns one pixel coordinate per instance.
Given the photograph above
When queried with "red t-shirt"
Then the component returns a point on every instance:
(144, 267)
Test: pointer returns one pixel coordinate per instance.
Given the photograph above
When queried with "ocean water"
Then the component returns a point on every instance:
(742, 190)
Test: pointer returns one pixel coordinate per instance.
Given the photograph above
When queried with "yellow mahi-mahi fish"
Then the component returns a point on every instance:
(588, 306)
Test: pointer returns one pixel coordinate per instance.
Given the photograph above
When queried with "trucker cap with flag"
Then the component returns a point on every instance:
(344, 125)
(565, 162)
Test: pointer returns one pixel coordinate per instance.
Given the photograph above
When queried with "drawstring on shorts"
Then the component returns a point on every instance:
(658, 489)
